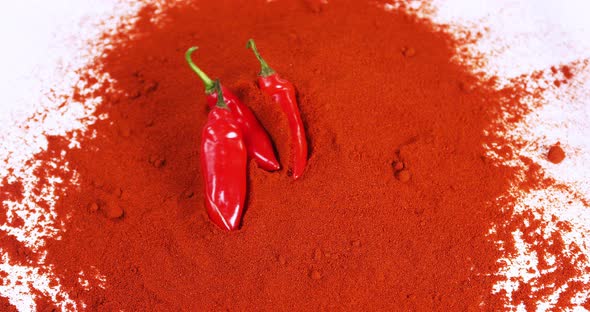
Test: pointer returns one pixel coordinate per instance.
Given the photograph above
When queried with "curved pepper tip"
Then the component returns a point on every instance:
(270, 166)
(298, 170)
(224, 225)
(275, 167)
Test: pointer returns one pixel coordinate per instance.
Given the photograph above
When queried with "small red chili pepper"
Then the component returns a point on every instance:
(283, 93)
(223, 164)
(257, 140)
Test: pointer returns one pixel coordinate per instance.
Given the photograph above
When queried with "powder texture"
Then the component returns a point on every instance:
(556, 154)
(395, 207)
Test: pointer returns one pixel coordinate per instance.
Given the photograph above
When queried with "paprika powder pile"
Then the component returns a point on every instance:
(394, 210)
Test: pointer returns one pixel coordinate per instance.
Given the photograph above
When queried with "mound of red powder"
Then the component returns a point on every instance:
(393, 212)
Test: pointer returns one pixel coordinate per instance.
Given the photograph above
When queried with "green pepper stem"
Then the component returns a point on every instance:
(220, 100)
(209, 84)
(265, 70)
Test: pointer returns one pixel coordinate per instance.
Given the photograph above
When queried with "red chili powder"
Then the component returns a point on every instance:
(556, 154)
(375, 89)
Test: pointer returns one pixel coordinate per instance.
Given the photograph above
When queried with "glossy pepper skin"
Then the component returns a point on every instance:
(282, 92)
(223, 167)
(258, 142)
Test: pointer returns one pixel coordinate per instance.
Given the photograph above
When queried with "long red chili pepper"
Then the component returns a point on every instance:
(258, 143)
(223, 165)
(283, 93)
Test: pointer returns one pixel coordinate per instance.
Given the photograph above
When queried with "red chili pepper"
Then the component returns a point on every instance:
(257, 140)
(283, 93)
(223, 165)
